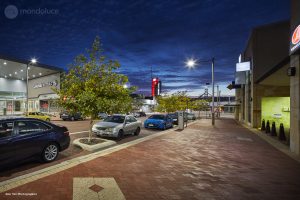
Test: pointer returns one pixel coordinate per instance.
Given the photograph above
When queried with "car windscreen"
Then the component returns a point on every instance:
(115, 119)
(157, 117)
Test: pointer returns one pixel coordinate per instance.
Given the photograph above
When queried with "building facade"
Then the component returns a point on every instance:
(14, 86)
(270, 86)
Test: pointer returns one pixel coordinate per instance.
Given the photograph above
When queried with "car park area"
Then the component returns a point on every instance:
(77, 129)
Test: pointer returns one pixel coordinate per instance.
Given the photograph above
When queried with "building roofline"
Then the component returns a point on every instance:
(258, 28)
(23, 61)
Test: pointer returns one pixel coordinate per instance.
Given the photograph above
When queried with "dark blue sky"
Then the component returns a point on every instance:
(141, 34)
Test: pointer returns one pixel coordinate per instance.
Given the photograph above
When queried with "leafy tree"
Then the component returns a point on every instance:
(199, 105)
(172, 103)
(92, 85)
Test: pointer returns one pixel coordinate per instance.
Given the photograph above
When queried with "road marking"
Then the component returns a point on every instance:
(89, 188)
(79, 132)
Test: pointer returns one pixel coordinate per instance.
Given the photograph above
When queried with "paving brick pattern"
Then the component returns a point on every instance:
(201, 162)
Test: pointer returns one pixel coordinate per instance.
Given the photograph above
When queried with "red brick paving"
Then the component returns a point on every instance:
(200, 162)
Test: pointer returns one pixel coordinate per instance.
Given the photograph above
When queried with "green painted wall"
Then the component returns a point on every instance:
(276, 109)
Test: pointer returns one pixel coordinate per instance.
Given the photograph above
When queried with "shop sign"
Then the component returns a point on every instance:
(295, 40)
(277, 116)
(243, 66)
(46, 84)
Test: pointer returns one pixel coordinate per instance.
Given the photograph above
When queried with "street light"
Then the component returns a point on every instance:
(191, 63)
(32, 61)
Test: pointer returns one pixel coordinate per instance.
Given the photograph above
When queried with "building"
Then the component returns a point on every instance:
(14, 85)
(269, 78)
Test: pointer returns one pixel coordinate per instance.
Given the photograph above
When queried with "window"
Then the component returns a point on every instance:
(29, 127)
(132, 119)
(6, 129)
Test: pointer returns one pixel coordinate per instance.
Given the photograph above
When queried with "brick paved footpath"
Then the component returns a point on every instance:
(201, 162)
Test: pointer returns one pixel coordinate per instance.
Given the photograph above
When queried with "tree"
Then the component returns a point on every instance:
(172, 103)
(92, 85)
(199, 105)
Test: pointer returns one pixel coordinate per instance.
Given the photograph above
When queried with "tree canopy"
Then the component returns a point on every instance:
(92, 85)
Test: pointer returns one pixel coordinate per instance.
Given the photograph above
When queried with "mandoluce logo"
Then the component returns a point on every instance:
(11, 11)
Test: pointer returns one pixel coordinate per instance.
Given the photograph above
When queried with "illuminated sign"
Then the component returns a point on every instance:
(156, 87)
(243, 66)
(295, 40)
(45, 84)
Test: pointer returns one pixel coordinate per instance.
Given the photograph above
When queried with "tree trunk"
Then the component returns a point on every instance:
(90, 131)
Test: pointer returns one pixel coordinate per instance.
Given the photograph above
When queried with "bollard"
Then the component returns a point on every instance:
(281, 132)
(268, 127)
(263, 125)
(273, 130)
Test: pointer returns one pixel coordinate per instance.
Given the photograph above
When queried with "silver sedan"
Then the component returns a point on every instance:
(117, 126)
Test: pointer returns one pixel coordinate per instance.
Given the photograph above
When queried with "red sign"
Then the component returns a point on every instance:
(296, 36)
(154, 83)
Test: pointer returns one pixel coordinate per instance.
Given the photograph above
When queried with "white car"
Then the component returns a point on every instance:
(117, 126)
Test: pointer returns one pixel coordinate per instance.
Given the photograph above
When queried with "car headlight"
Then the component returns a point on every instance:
(110, 129)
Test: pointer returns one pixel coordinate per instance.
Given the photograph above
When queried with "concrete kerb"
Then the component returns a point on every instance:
(276, 144)
(30, 177)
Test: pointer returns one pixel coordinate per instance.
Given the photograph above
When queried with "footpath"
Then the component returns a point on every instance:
(201, 162)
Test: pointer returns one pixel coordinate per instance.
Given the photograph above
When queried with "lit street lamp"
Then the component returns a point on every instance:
(32, 61)
(191, 63)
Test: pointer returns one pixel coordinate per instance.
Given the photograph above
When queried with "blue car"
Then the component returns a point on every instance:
(25, 138)
(159, 121)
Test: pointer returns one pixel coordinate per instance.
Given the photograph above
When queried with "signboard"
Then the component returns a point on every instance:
(295, 40)
(240, 78)
(243, 66)
(156, 87)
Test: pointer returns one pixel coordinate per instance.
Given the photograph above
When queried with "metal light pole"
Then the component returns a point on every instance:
(191, 63)
(27, 68)
(32, 61)
(213, 91)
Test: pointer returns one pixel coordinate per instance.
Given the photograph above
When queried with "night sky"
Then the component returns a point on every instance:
(141, 34)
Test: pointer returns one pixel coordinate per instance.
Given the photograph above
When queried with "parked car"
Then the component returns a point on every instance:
(191, 116)
(159, 121)
(139, 114)
(102, 115)
(174, 116)
(116, 126)
(71, 116)
(25, 138)
(38, 115)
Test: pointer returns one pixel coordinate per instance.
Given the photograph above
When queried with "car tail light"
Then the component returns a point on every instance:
(66, 133)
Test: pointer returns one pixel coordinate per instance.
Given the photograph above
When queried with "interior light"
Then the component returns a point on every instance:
(5, 76)
(9, 74)
(40, 74)
(16, 72)
(21, 70)
(33, 75)
(4, 63)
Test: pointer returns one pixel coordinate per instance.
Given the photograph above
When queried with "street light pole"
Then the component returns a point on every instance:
(27, 88)
(213, 91)
(32, 61)
(191, 63)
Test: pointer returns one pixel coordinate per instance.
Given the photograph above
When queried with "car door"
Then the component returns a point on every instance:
(7, 151)
(169, 121)
(129, 125)
(134, 124)
(30, 139)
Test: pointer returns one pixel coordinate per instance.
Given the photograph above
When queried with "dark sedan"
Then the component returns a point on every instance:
(71, 116)
(25, 138)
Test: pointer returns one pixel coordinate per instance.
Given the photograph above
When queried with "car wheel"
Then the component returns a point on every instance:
(137, 131)
(64, 119)
(50, 152)
(72, 118)
(164, 127)
(120, 135)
